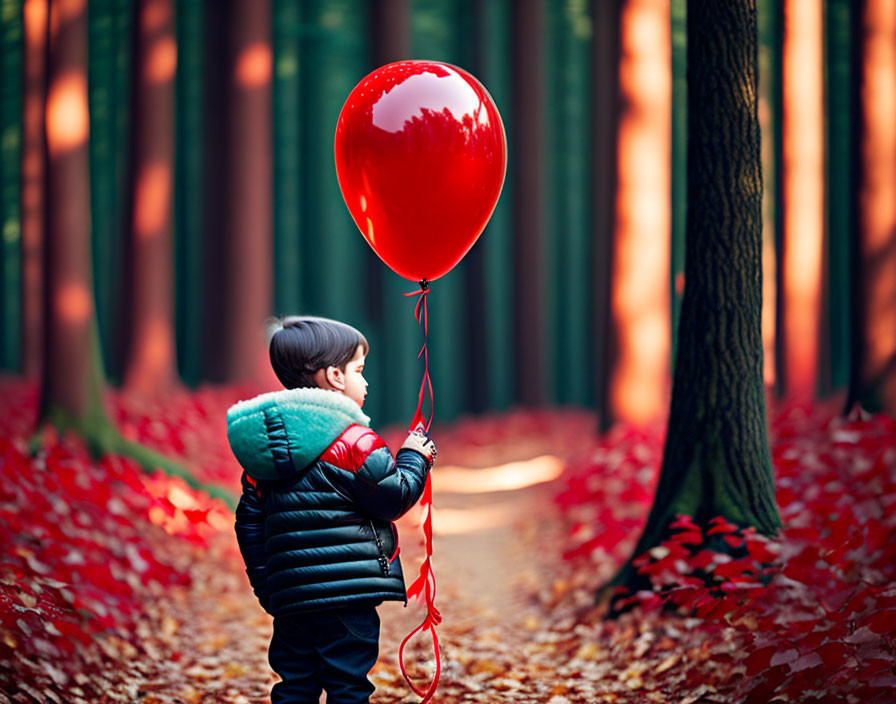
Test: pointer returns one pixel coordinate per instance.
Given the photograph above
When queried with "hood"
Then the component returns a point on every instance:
(276, 434)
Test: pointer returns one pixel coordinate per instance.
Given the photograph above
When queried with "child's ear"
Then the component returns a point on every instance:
(336, 378)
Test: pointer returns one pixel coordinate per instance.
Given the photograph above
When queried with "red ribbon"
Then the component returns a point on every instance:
(425, 584)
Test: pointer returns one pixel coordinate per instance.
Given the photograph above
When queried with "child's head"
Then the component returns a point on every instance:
(311, 352)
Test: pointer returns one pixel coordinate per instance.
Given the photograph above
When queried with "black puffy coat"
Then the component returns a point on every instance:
(320, 493)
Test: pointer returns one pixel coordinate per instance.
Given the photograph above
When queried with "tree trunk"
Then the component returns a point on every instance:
(716, 460)
(34, 56)
(70, 379)
(151, 363)
(679, 161)
(569, 227)
(287, 125)
(111, 41)
(189, 212)
(803, 191)
(529, 315)
(873, 363)
(840, 176)
(639, 299)
(769, 108)
(605, 95)
(247, 274)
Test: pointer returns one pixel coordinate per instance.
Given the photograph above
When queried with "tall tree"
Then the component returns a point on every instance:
(716, 460)
(872, 382)
(529, 314)
(769, 16)
(110, 39)
(493, 263)
(72, 379)
(639, 298)
(803, 193)
(34, 80)
(151, 363)
(249, 236)
(839, 178)
(679, 169)
(189, 215)
(287, 125)
(606, 97)
(568, 204)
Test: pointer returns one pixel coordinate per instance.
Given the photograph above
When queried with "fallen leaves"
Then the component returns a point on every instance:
(118, 586)
(815, 606)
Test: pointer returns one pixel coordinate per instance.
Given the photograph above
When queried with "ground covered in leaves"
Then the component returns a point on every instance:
(117, 585)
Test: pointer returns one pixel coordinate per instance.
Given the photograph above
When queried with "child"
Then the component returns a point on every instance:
(314, 523)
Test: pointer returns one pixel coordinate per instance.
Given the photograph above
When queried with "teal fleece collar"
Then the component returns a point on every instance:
(278, 433)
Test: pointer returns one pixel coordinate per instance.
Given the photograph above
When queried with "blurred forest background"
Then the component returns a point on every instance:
(212, 199)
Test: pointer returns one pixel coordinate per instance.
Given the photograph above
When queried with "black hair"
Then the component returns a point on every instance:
(301, 345)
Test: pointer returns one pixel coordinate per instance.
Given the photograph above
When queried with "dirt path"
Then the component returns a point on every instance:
(487, 568)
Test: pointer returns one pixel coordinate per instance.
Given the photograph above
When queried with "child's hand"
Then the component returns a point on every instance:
(420, 443)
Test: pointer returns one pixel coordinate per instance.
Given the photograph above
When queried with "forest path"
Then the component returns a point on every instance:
(488, 557)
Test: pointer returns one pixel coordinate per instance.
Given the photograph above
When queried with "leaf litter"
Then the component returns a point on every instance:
(122, 586)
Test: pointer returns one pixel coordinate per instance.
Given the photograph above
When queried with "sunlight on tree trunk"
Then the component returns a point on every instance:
(873, 377)
(68, 375)
(151, 365)
(716, 460)
(768, 109)
(639, 303)
(803, 184)
(249, 267)
(35, 18)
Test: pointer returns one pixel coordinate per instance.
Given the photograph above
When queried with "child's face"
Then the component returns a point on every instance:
(350, 382)
(355, 383)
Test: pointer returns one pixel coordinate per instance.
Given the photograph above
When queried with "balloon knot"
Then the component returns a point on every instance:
(424, 285)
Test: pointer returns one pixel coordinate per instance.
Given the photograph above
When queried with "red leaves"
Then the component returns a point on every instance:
(720, 525)
(881, 621)
(85, 545)
(760, 659)
(812, 609)
(834, 653)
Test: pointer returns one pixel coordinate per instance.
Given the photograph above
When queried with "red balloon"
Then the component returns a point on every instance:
(420, 158)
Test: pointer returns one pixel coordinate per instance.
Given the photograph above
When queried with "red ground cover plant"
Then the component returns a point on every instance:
(813, 610)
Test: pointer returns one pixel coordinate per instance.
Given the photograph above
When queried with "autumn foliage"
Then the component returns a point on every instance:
(813, 612)
(90, 549)
(94, 551)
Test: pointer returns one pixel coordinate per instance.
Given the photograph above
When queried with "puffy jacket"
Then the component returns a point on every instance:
(320, 493)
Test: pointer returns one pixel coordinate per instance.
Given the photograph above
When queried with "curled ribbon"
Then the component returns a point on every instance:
(425, 584)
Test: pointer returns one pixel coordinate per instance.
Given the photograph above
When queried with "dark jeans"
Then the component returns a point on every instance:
(331, 650)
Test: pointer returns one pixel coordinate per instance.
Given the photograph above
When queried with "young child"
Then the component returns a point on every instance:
(315, 521)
